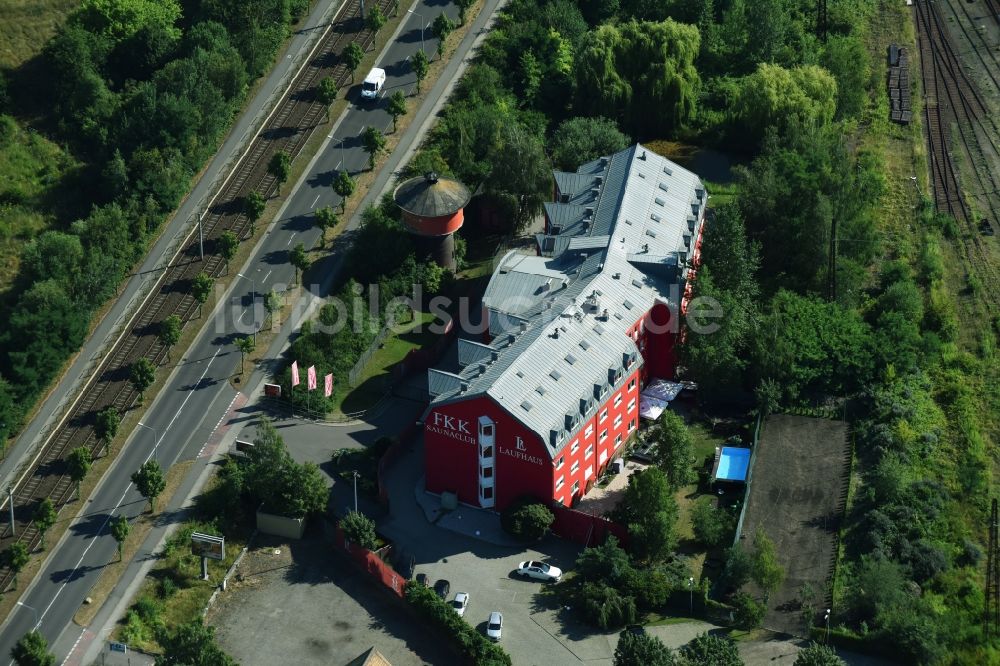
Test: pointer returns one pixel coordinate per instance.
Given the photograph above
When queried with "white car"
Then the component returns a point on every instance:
(539, 570)
(494, 626)
(460, 603)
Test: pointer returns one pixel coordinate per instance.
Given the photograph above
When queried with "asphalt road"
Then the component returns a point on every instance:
(197, 395)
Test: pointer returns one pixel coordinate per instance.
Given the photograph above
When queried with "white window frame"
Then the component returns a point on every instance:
(604, 437)
(618, 399)
(575, 446)
(631, 405)
(559, 482)
(575, 467)
(560, 462)
(631, 425)
(618, 441)
(576, 487)
(604, 416)
(589, 452)
(590, 430)
(618, 421)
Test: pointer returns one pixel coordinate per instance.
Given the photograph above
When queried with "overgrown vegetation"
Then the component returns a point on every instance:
(528, 520)
(138, 93)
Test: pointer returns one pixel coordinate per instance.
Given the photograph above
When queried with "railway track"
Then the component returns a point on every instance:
(952, 100)
(287, 129)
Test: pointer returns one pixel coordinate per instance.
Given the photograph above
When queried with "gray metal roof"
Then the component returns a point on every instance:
(559, 322)
(431, 195)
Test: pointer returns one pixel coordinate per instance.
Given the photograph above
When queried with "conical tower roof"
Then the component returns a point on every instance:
(431, 195)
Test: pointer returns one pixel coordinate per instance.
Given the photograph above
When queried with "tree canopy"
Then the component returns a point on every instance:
(625, 71)
(580, 140)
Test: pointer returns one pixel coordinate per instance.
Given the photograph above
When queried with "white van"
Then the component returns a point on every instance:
(373, 83)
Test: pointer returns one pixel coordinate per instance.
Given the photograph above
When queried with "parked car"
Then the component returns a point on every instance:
(442, 587)
(494, 626)
(540, 571)
(460, 603)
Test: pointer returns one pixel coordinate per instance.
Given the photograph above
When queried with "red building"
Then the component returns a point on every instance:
(545, 404)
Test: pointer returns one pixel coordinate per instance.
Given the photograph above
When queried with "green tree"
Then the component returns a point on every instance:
(47, 324)
(78, 463)
(344, 186)
(397, 107)
(846, 58)
(353, 55)
(441, 28)
(272, 303)
(776, 98)
(580, 140)
(299, 259)
(246, 345)
(120, 528)
(280, 166)
(673, 451)
(279, 483)
(54, 255)
(531, 76)
(192, 644)
(360, 529)
(749, 611)
(118, 20)
(520, 180)
(325, 219)
(375, 20)
(818, 655)
(623, 71)
(641, 648)
(170, 332)
(711, 650)
(15, 557)
(326, 94)
(44, 518)
(420, 65)
(228, 244)
(463, 7)
(32, 650)
(649, 510)
(149, 481)
(712, 525)
(254, 205)
(201, 289)
(142, 374)
(529, 521)
(106, 426)
(765, 570)
(374, 143)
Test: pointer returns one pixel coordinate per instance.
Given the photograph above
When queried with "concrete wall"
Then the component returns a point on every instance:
(290, 528)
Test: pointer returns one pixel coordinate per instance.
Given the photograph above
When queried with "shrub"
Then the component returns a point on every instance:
(473, 645)
(168, 588)
(606, 607)
(712, 526)
(642, 649)
(711, 650)
(148, 609)
(818, 655)
(528, 521)
(360, 529)
(749, 611)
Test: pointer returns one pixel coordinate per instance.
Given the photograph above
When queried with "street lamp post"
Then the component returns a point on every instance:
(423, 23)
(156, 436)
(201, 235)
(691, 594)
(10, 505)
(827, 619)
(38, 620)
(253, 303)
(356, 475)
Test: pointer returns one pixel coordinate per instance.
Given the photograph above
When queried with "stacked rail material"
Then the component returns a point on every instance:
(899, 85)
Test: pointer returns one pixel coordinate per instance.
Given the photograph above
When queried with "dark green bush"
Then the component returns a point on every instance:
(473, 645)
(527, 520)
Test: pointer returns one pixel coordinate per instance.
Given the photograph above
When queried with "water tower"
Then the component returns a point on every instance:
(432, 211)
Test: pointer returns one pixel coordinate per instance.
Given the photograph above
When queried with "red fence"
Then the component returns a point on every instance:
(371, 563)
(585, 528)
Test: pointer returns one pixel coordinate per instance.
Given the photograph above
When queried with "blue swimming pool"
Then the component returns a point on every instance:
(733, 463)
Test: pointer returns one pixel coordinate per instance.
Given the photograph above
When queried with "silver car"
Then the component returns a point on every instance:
(494, 626)
(460, 603)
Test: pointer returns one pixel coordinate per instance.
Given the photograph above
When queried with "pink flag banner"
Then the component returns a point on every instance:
(328, 385)
(295, 373)
(311, 378)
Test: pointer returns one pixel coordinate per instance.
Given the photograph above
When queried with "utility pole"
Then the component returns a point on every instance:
(356, 475)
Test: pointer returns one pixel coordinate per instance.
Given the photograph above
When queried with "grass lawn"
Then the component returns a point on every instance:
(377, 375)
(27, 25)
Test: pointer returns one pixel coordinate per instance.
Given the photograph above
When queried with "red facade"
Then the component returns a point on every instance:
(521, 465)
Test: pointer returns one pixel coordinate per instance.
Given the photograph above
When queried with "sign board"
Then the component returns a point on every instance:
(243, 446)
(272, 390)
(118, 647)
(206, 545)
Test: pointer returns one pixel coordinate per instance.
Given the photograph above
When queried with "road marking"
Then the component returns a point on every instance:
(72, 576)
(224, 416)
(314, 201)
(267, 276)
(290, 239)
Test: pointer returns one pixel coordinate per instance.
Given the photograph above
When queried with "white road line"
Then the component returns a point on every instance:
(290, 239)
(221, 419)
(314, 201)
(267, 276)
(72, 575)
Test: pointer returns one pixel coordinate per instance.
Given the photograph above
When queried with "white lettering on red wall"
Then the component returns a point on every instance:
(451, 426)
